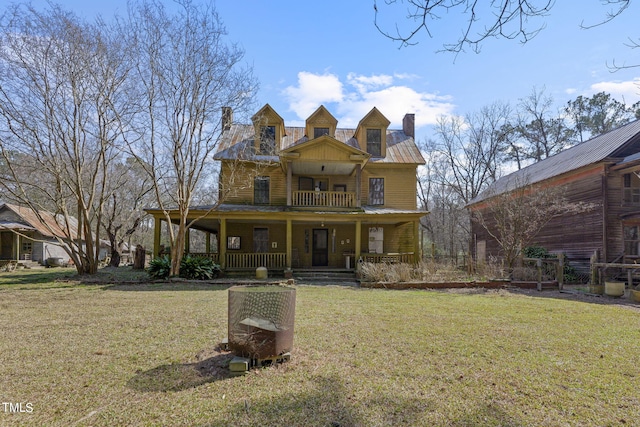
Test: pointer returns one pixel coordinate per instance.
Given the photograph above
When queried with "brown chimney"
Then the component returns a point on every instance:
(409, 125)
(227, 118)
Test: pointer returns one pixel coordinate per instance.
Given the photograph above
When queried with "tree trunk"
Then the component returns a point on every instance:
(115, 258)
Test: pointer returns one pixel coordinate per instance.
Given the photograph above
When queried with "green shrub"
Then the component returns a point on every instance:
(192, 268)
(570, 273)
(159, 268)
(198, 268)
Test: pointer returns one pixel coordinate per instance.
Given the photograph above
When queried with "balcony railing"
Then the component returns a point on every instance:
(247, 261)
(336, 199)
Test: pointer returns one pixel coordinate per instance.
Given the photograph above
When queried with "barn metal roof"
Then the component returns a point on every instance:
(237, 143)
(613, 146)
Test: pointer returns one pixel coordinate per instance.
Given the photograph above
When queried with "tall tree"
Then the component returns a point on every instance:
(538, 131)
(186, 72)
(130, 191)
(61, 84)
(599, 114)
(470, 149)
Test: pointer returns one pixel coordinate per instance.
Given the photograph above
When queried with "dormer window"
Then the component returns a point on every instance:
(371, 133)
(374, 142)
(318, 132)
(268, 128)
(267, 139)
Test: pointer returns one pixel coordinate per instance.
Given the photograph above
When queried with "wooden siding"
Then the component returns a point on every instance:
(399, 186)
(577, 236)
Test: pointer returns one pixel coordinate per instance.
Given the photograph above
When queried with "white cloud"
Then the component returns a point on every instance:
(353, 100)
(629, 90)
(312, 91)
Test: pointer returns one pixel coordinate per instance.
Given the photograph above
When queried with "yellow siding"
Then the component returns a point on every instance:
(324, 152)
(399, 186)
(277, 235)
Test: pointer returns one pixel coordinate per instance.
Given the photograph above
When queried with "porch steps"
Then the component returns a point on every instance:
(30, 265)
(329, 276)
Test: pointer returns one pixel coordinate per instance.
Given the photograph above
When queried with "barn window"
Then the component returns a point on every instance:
(631, 240)
(630, 190)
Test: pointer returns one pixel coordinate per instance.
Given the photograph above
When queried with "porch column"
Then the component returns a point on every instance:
(289, 179)
(207, 243)
(358, 241)
(16, 246)
(157, 226)
(289, 243)
(416, 242)
(222, 243)
(358, 187)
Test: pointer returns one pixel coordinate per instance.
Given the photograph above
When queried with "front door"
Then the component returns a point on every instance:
(320, 247)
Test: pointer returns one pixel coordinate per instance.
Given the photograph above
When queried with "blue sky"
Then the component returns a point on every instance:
(328, 52)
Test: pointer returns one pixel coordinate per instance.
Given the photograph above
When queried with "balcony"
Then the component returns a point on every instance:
(333, 199)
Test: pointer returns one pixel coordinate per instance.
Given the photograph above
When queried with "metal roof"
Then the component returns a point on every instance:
(613, 146)
(237, 143)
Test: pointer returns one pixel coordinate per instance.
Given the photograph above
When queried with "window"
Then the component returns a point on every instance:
(631, 190)
(261, 240)
(318, 132)
(631, 240)
(261, 190)
(233, 243)
(374, 142)
(376, 191)
(267, 139)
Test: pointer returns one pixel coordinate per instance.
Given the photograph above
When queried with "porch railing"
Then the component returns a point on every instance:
(215, 257)
(246, 261)
(336, 199)
(391, 258)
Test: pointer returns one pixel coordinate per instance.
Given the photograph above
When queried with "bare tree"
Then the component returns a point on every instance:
(61, 82)
(470, 149)
(515, 217)
(477, 20)
(130, 191)
(187, 73)
(538, 132)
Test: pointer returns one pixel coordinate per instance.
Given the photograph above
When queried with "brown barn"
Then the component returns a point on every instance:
(603, 171)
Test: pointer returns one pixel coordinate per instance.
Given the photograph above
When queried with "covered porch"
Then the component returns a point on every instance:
(241, 239)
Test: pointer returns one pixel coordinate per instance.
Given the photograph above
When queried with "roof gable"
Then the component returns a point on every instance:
(321, 118)
(51, 227)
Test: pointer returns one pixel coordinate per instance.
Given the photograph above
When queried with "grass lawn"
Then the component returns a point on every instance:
(145, 354)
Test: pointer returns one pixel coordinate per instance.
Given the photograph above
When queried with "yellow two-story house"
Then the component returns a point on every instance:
(312, 197)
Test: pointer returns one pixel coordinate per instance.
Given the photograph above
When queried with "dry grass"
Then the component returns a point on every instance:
(144, 355)
(428, 271)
